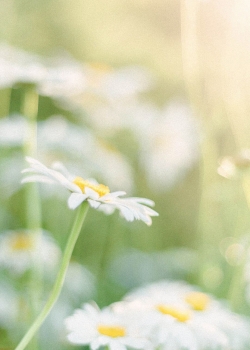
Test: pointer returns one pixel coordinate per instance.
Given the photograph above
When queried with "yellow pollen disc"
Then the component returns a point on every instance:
(199, 301)
(21, 241)
(180, 315)
(100, 189)
(113, 332)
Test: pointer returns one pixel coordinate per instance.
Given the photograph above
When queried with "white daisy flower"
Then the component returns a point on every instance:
(181, 317)
(97, 195)
(172, 146)
(119, 83)
(18, 250)
(54, 77)
(99, 328)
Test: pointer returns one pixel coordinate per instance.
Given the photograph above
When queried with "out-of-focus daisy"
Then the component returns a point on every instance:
(172, 146)
(18, 249)
(118, 83)
(98, 328)
(65, 78)
(231, 166)
(182, 317)
(18, 66)
(52, 76)
(171, 134)
(98, 195)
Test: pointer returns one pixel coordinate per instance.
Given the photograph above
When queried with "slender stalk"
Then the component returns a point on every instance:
(33, 209)
(81, 214)
(236, 288)
(29, 110)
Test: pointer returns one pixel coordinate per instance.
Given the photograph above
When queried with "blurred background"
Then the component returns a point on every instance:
(150, 97)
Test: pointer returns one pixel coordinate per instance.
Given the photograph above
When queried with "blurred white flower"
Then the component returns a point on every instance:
(98, 195)
(167, 139)
(118, 83)
(18, 249)
(64, 78)
(171, 147)
(18, 66)
(98, 328)
(182, 317)
(55, 77)
(135, 116)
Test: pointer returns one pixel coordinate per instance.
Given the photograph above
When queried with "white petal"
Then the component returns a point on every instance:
(91, 193)
(107, 208)
(75, 199)
(77, 339)
(115, 345)
(94, 204)
(143, 201)
(128, 215)
(111, 195)
(37, 178)
(54, 175)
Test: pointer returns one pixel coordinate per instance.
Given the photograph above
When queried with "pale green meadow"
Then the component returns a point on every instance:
(125, 175)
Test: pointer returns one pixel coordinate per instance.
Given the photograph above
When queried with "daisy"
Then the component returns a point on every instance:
(97, 195)
(116, 84)
(172, 146)
(182, 317)
(54, 77)
(99, 328)
(18, 250)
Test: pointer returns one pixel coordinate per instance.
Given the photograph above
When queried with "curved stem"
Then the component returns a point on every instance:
(81, 214)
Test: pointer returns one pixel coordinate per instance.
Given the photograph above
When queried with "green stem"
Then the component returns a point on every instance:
(81, 214)
(33, 210)
(30, 110)
(236, 288)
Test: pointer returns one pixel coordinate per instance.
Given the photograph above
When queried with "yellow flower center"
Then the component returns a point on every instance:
(21, 242)
(100, 189)
(113, 332)
(199, 301)
(179, 314)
